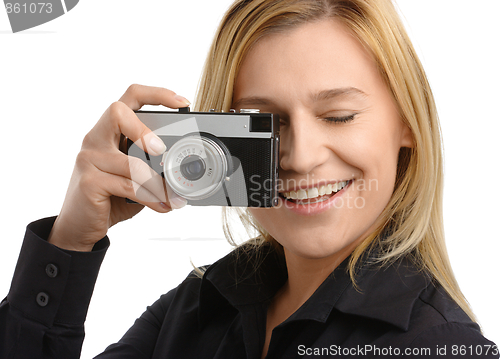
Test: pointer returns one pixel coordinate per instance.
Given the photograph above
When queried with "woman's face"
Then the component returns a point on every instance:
(340, 128)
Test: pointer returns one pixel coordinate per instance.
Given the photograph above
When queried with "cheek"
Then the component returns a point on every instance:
(371, 147)
(371, 151)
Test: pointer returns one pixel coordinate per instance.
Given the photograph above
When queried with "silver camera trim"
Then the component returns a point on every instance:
(234, 125)
(215, 161)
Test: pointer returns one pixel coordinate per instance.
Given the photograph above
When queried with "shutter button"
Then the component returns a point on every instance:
(51, 270)
(42, 299)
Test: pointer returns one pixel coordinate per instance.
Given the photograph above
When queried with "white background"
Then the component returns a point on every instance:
(57, 79)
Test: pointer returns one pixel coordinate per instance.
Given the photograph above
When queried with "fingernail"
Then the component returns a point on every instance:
(165, 206)
(182, 99)
(177, 202)
(157, 145)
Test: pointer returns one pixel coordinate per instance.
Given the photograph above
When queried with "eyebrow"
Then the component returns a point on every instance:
(316, 97)
(338, 92)
(252, 100)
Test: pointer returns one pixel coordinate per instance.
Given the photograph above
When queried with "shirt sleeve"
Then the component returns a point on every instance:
(455, 340)
(44, 312)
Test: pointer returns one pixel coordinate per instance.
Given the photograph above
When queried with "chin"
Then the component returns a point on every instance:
(312, 246)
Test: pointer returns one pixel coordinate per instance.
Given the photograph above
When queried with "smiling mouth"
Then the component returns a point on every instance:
(315, 194)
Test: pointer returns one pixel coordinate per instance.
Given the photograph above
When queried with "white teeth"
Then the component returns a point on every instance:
(312, 192)
(301, 194)
(315, 191)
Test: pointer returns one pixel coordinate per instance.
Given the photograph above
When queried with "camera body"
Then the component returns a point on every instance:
(216, 158)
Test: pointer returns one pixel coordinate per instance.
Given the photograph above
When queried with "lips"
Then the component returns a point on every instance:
(314, 194)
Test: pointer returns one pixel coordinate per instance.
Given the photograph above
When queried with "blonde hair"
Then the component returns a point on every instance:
(412, 222)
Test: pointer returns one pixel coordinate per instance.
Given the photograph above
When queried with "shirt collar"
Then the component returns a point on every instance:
(249, 276)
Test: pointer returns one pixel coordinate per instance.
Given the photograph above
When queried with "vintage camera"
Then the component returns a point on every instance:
(216, 158)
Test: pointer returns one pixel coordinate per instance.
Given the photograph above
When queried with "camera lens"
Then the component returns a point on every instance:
(196, 166)
(192, 167)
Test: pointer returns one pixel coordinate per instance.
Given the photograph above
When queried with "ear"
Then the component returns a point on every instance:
(406, 137)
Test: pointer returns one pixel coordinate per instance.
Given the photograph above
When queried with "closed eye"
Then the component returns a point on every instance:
(340, 119)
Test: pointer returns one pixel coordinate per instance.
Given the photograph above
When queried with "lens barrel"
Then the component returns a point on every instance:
(196, 166)
(193, 167)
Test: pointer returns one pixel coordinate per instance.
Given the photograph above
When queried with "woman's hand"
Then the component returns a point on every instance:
(104, 176)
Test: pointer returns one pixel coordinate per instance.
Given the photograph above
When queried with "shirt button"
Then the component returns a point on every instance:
(51, 270)
(42, 299)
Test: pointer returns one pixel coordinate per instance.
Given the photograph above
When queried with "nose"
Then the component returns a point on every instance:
(302, 145)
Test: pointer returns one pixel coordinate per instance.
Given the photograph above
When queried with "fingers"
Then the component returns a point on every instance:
(129, 124)
(131, 168)
(118, 186)
(133, 177)
(137, 96)
(117, 121)
(120, 119)
(148, 185)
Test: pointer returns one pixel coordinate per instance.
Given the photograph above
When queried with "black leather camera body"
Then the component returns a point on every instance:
(216, 158)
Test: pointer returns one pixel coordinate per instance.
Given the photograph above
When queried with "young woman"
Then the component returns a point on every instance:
(352, 260)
